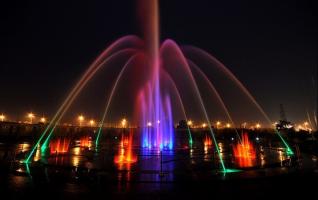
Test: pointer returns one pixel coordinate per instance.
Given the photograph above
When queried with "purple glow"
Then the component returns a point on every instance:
(156, 118)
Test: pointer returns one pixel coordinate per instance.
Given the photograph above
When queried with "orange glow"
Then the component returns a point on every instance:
(86, 141)
(125, 154)
(244, 152)
(43, 120)
(59, 146)
(207, 141)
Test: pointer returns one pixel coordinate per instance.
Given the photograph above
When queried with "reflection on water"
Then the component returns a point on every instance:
(75, 161)
(37, 155)
(23, 147)
(151, 165)
(157, 165)
(76, 151)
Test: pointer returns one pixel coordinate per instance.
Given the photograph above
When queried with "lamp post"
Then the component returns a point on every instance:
(91, 122)
(218, 123)
(204, 125)
(2, 117)
(123, 124)
(43, 120)
(31, 116)
(190, 123)
(80, 119)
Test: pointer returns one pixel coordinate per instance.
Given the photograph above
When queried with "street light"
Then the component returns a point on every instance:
(81, 119)
(228, 125)
(123, 123)
(203, 125)
(43, 120)
(91, 123)
(2, 117)
(31, 116)
(218, 123)
(190, 123)
(258, 126)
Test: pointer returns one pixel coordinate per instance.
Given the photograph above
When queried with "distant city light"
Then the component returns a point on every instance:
(2, 117)
(80, 119)
(123, 123)
(149, 124)
(43, 120)
(228, 125)
(258, 126)
(190, 123)
(203, 125)
(91, 122)
(218, 123)
(31, 116)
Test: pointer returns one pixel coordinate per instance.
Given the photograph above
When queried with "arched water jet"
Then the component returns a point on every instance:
(110, 52)
(178, 53)
(110, 99)
(181, 104)
(69, 102)
(221, 66)
(217, 95)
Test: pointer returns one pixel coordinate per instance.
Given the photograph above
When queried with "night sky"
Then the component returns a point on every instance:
(271, 46)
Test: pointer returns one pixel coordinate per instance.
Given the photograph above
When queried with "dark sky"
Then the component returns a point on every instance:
(271, 46)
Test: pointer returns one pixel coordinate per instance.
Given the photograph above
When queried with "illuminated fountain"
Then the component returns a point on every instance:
(85, 141)
(207, 142)
(244, 152)
(163, 82)
(125, 153)
(158, 131)
(59, 145)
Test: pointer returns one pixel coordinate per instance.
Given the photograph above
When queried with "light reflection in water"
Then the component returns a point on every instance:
(75, 161)
(23, 147)
(37, 154)
(76, 151)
